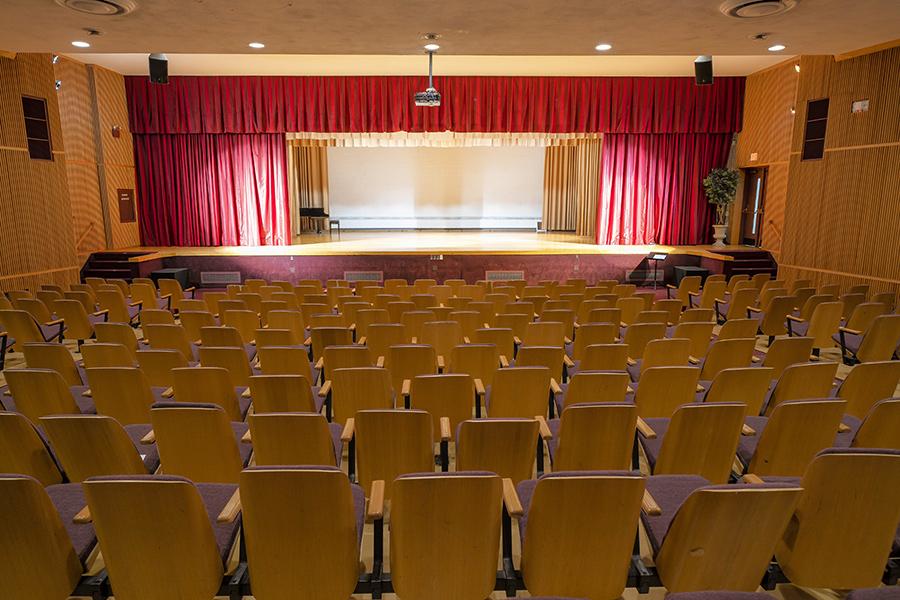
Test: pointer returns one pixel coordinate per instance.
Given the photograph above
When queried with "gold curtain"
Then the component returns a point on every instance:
(571, 186)
(307, 179)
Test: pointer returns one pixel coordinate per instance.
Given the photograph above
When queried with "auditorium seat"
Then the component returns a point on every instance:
(772, 313)
(443, 336)
(405, 361)
(361, 388)
(859, 314)
(663, 389)
(520, 392)
(291, 320)
(92, 445)
(294, 438)
(630, 307)
(601, 357)
(367, 317)
(698, 333)
(684, 289)
(123, 393)
(684, 513)
(39, 392)
(233, 359)
(866, 384)
(637, 336)
(380, 337)
(747, 385)
(212, 385)
(785, 352)
(24, 450)
(197, 305)
(590, 333)
(280, 393)
(20, 325)
(734, 280)
(877, 593)
(592, 436)
(287, 360)
(118, 333)
(588, 386)
(879, 427)
(505, 446)
(801, 382)
(706, 298)
(552, 357)
(478, 361)
(226, 337)
(118, 308)
(79, 324)
(447, 396)
(805, 310)
(55, 357)
(670, 306)
(662, 352)
(784, 442)
(156, 316)
(585, 549)
(194, 320)
(246, 322)
(821, 325)
(84, 296)
(735, 305)
(39, 310)
(726, 354)
(147, 295)
(171, 337)
(390, 443)
(413, 322)
(879, 342)
(157, 365)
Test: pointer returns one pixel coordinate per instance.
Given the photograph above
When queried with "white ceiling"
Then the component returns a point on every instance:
(469, 29)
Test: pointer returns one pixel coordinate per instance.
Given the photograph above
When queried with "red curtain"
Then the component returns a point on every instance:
(212, 190)
(651, 187)
(479, 104)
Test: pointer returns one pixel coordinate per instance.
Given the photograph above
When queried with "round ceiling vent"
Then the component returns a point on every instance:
(100, 8)
(754, 9)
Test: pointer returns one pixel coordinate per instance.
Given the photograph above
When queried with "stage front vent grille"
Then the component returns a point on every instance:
(220, 277)
(504, 275)
(364, 275)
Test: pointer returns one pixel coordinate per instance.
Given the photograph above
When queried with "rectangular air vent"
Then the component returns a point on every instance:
(364, 275)
(641, 275)
(504, 275)
(220, 277)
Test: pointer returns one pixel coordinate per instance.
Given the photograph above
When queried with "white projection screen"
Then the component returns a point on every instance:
(421, 187)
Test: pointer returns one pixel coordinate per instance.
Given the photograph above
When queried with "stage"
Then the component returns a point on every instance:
(440, 255)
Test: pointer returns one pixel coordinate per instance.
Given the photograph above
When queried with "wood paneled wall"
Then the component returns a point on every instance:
(51, 212)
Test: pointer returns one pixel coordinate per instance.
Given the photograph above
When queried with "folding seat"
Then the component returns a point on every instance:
(606, 284)
(683, 513)
(588, 387)
(521, 392)
(397, 308)
(157, 365)
(806, 309)
(294, 438)
(663, 389)
(343, 357)
(521, 307)
(194, 320)
(588, 335)
(211, 385)
(501, 337)
(802, 382)
(117, 308)
(498, 302)
(738, 328)
(291, 320)
(596, 528)
(736, 304)
(843, 525)
(423, 286)
(746, 385)
(699, 439)
(648, 297)
(267, 291)
(394, 284)
(171, 337)
(95, 282)
(282, 393)
(414, 321)
(79, 325)
(94, 445)
(687, 285)
(230, 304)
(424, 301)
(285, 286)
(766, 292)
(315, 284)
(859, 289)
(478, 361)
(288, 298)
(821, 325)
(552, 357)
(234, 360)
(604, 357)
(584, 311)
(889, 299)
(652, 316)
(734, 280)
(517, 322)
(726, 354)
(606, 315)
(638, 335)
(624, 290)
(156, 316)
(699, 335)
(39, 310)
(367, 317)
(664, 352)
(55, 357)
(20, 325)
(802, 295)
(245, 321)
(382, 300)
(698, 315)
(866, 384)
(879, 428)
(443, 336)
(254, 285)
(545, 333)
(268, 337)
(195, 304)
(672, 308)
(592, 436)
(198, 441)
(148, 296)
(442, 294)
(152, 524)
(449, 397)
(123, 393)
(23, 450)
(831, 289)
(405, 361)
(878, 342)
(287, 360)
(381, 336)
(566, 317)
(773, 314)
(85, 298)
(706, 298)
(785, 352)
(860, 318)
(226, 337)
(322, 337)
(502, 446)
(43, 553)
(630, 308)
(39, 392)
(786, 440)
(486, 314)
(468, 320)
(361, 388)
(252, 300)
(118, 333)
(449, 519)
(267, 306)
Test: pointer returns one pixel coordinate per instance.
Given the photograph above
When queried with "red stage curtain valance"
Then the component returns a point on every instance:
(480, 104)
(651, 187)
(212, 190)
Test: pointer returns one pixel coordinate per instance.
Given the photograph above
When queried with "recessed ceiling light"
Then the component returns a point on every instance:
(603, 47)
(80, 44)
(256, 45)
(432, 47)
(776, 48)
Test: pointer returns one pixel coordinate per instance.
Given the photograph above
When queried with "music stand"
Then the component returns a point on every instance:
(656, 257)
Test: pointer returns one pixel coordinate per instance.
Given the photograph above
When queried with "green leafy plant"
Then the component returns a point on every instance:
(720, 186)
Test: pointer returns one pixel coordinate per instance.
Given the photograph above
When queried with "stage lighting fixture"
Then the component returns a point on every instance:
(159, 68)
(703, 70)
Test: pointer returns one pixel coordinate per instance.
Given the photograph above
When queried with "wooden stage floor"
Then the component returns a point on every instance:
(362, 243)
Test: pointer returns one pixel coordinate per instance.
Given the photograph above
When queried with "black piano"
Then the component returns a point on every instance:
(318, 215)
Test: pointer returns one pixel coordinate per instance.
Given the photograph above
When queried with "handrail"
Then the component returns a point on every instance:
(90, 227)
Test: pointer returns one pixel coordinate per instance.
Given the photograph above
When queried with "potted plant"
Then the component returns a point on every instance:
(720, 186)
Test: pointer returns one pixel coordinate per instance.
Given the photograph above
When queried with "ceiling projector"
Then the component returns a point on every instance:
(430, 97)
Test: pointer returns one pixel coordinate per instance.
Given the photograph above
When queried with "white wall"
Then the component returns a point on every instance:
(438, 188)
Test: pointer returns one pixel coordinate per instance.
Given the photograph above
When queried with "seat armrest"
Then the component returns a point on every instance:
(645, 429)
(375, 509)
(54, 323)
(191, 289)
(82, 516)
(445, 429)
(543, 428)
(630, 361)
(405, 388)
(795, 319)
(349, 430)
(511, 499)
(231, 510)
(361, 341)
(517, 341)
(694, 294)
(747, 430)
(755, 359)
(693, 360)
(102, 313)
(751, 309)
(479, 387)
(504, 362)
(466, 340)
(168, 393)
(649, 505)
(554, 387)
(325, 389)
(440, 362)
(320, 364)
(245, 393)
(307, 341)
(379, 362)
(247, 438)
(138, 303)
(848, 330)
(568, 361)
(843, 428)
(751, 478)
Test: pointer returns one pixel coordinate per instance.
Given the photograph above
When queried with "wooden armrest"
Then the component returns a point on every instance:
(700, 388)
(375, 509)
(795, 319)
(232, 508)
(348, 431)
(165, 296)
(517, 341)
(671, 287)
(320, 364)
(543, 428)
(191, 289)
(747, 430)
(693, 360)
(630, 361)
(721, 300)
(325, 389)
(567, 340)
(361, 341)
(645, 430)
(245, 393)
(466, 340)
(504, 362)
(413, 340)
(511, 499)
(138, 303)
(751, 478)
(649, 505)
(100, 313)
(247, 438)
(694, 294)
(440, 362)
(814, 358)
(379, 362)
(755, 359)
(487, 325)
(352, 327)
(754, 309)
(405, 387)
(86, 393)
(629, 389)
(479, 387)
(307, 341)
(198, 342)
(82, 516)
(843, 428)
(149, 438)
(554, 387)
(623, 324)
(848, 330)
(568, 361)
(54, 322)
(445, 429)
(168, 393)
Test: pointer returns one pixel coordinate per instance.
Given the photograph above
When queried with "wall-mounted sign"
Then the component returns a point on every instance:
(860, 106)
(126, 206)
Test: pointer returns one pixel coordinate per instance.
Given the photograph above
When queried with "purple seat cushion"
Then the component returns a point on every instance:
(634, 370)
(335, 430)
(882, 593)
(719, 596)
(68, 498)
(85, 403)
(250, 350)
(670, 492)
(50, 332)
(798, 329)
(553, 444)
(94, 319)
(653, 446)
(133, 311)
(747, 444)
(215, 496)
(149, 451)
(574, 369)
(851, 340)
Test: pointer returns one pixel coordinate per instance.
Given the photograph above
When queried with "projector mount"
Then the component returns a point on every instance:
(430, 97)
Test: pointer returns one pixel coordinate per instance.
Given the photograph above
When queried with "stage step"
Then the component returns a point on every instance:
(749, 262)
(111, 265)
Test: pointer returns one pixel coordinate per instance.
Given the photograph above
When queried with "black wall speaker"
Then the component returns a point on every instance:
(703, 70)
(159, 68)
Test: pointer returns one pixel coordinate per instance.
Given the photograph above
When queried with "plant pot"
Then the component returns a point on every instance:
(719, 235)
